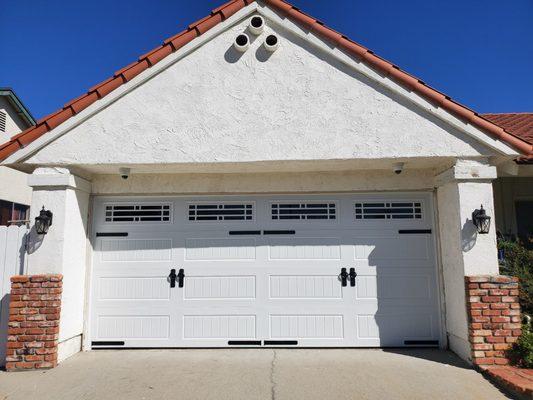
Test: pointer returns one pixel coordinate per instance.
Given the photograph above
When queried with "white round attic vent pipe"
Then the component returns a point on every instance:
(242, 42)
(271, 43)
(257, 24)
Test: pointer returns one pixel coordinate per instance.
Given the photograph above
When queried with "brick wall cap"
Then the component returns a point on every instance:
(28, 278)
(20, 279)
(490, 279)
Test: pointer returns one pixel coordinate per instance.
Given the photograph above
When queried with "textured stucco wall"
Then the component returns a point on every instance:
(217, 105)
(463, 251)
(479, 251)
(262, 183)
(63, 249)
(453, 269)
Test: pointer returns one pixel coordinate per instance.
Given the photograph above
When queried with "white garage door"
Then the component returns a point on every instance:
(258, 270)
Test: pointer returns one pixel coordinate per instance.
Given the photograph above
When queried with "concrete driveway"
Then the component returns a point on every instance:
(253, 374)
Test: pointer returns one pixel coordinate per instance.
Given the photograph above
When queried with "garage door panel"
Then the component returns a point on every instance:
(133, 288)
(262, 278)
(127, 250)
(220, 249)
(304, 287)
(398, 248)
(299, 248)
(133, 326)
(395, 328)
(394, 287)
(316, 326)
(220, 287)
(232, 326)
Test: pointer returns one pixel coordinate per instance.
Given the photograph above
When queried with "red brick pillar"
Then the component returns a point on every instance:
(33, 329)
(493, 317)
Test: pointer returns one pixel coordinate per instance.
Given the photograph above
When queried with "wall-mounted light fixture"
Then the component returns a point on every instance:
(481, 220)
(43, 221)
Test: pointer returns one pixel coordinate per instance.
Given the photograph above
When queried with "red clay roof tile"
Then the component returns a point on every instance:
(135, 70)
(8, 148)
(74, 100)
(519, 124)
(177, 35)
(59, 118)
(84, 102)
(230, 8)
(210, 22)
(31, 135)
(43, 119)
(196, 23)
(109, 86)
(512, 133)
(98, 85)
(180, 41)
(120, 71)
(219, 8)
(159, 54)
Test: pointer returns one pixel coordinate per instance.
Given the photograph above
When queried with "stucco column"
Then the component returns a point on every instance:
(461, 190)
(63, 250)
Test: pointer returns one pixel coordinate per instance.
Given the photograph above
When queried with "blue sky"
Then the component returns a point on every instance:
(480, 52)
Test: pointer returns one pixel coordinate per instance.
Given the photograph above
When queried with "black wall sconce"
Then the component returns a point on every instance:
(43, 221)
(481, 220)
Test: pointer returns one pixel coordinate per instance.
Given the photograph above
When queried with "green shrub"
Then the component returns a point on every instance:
(521, 354)
(518, 261)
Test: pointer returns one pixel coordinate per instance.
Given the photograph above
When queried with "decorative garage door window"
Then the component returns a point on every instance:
(221, 212)
(137, 213)
(304, 211)
(388, 210)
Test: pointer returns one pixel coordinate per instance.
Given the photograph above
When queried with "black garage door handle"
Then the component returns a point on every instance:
(181, 275)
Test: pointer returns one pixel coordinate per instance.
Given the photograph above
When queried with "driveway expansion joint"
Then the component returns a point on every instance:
(272, 380)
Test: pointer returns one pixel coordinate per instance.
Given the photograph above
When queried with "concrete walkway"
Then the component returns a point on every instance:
(250, 374)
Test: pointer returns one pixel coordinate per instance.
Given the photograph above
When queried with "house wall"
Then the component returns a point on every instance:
(14, 124)
(217, 105)
(13, 185)
(64, 249)
(506, 191)
(464, 252)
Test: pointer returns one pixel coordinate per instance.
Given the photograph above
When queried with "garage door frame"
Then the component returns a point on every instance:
(432, 219)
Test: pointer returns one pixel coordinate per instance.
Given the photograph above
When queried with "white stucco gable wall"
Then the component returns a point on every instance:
(216, 105)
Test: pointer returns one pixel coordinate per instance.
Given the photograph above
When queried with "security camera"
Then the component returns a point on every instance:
(398, 168)
(124, 173)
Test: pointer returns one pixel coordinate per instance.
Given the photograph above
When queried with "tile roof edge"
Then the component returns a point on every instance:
(224, 12)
